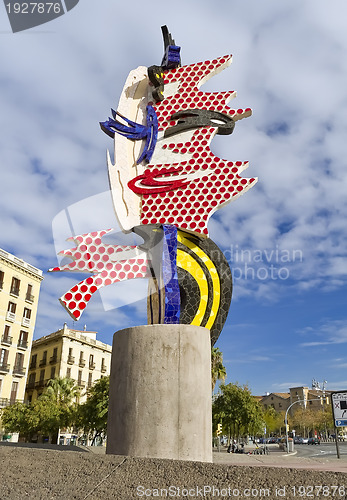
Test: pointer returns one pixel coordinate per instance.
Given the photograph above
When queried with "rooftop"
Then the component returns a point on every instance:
(20, 263)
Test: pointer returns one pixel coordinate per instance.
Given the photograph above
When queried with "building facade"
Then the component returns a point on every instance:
(67, 353)
(280, 401)
(19, 294)
(297, 397)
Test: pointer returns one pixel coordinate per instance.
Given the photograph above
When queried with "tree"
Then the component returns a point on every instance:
(41, 416)
(58, 405)
(239, 412)
(274, 421)
(20, 418)
(92, 415)
(218, 371)
(54, 409)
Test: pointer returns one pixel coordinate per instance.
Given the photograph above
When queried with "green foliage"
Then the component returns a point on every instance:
(92, 415)
(238, 411)
(306, 420)
(218, 371)
(54, 409)
(274, 420)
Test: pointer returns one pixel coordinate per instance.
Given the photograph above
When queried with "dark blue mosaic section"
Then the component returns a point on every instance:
(135, 131)
(170, 278)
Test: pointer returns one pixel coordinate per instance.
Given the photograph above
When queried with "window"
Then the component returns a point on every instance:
(54, 358)
(52, 372)
(31, 380)
(68, 372)
(14, 390)
(18, 364)
(43, 361)
(11, 311)
(19, 360)
(3, 357)
(33, 361)
(70, 358)
(42, 375)
(79, 377)
(23, 339)
(15, 286)
(0, 384)
(12, 307)
(91, 361)
(90, 379)
(29, 295)
(2, 274)
(6, 336)
(26, 313)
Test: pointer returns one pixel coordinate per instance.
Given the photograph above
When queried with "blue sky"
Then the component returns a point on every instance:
(285, 238)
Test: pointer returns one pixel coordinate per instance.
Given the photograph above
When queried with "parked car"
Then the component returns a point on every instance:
(313, 440)
(300, 440)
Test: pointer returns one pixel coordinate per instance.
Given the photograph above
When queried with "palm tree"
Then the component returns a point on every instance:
(218, 371)
(62, 394)
(62, 390)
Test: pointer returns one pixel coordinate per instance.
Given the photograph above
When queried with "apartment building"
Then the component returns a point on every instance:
(19, 294)
(67, 353)
(296, 398)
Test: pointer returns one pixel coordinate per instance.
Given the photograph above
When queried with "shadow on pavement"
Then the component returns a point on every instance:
(45, 446)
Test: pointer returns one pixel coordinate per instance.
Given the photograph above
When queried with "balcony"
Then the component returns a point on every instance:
(82, 363)
(81, 383)
(14, 291)
(26, 322)
(30, 386)
(32, 365)
(6, 340)
(10, 316)
(22, 344)
(40, 383)
(4, 367)
(8, 402)
(29, 298)
(103, 368)
(71, 360)
(19, 371)
(43, 362)
(91, 366)
(53, 360)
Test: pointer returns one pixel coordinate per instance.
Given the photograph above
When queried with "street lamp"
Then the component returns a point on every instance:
(286, 415)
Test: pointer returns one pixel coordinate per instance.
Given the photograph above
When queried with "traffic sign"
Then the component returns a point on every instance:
(340, 423)
(339, 407)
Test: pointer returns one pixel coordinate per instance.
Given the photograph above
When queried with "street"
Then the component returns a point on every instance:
(321, 450)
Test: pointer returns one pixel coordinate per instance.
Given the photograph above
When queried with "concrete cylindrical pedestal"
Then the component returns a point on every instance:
(160, 393)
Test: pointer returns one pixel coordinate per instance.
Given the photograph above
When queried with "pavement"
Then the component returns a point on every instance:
(279, 458)
(275, 458)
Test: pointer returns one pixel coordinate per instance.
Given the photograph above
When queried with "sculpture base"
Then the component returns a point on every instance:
(160, 393)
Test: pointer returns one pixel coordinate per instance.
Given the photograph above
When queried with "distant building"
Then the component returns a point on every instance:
(309, 398)
(280, 401)
(19, 294)
(67, 353)
(313, 398)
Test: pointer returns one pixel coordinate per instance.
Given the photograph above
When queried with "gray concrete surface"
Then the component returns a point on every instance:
(160, 393)
(40, 474)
